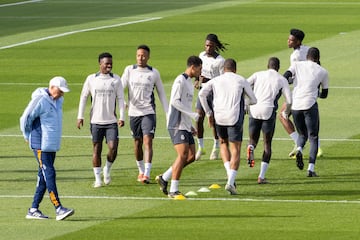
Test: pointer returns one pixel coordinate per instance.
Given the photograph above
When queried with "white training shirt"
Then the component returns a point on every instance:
(227, 89)
(211, 67)
(180, 107)
(267, 86)
(308, 76)
(299, 54)
(141, 83)
(106, 92)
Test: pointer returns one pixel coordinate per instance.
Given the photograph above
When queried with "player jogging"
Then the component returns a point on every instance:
(309, 79)
(227, 116)
(299, 54)
(180, 127)
(213, 66)
(268, 86)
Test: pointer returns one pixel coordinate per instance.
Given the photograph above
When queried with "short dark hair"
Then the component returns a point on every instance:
(104, 55)
(274, 63)
(194, 60)
(298, 34)
(313, 54)
(145, 47)
(230, 64)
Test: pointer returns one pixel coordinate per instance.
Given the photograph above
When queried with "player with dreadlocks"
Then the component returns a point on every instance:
(213, 66)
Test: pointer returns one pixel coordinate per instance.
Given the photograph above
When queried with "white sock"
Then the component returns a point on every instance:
(97, 173)
(147, 169)
(108, 165)
(174, 186)
(299, 149)
(141, 166)
(232, 177)
(216, 143)
(263, 169)
(227, 168)
(311, 167)
(294, 136)
(200, 142)
(167, 175)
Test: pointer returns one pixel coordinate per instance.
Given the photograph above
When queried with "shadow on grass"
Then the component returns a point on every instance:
(61, 155)
(204, 215)
(14, 157)
(173, 216)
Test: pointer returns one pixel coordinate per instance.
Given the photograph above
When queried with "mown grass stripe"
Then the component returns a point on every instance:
(19, 3)
(79, 31)
(165, 137)
(196, 199)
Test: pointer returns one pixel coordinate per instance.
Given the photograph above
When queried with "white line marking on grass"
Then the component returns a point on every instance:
(339, 87)
(19, 3)
(308, 3)
(198, 199)
(79, 31)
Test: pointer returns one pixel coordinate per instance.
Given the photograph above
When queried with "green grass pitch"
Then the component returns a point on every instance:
(40, 39)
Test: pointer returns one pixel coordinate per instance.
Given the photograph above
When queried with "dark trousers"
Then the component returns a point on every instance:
(46, 178)
(307, 125)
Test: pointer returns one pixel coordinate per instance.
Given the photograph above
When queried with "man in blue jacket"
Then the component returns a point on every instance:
(41, 125)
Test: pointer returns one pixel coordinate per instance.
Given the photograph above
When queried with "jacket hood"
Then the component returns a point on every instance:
(43, 92)
(40, 92)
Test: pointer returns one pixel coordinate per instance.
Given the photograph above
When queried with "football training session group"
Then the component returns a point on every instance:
(245, 110)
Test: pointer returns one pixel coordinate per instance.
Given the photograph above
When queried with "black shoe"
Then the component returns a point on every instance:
(299, 160)
(163, 184)
(312, 174)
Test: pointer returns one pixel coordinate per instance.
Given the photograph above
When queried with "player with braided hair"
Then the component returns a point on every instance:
(213, 66)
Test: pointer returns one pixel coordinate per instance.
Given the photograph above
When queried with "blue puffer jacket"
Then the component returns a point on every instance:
(41, 122)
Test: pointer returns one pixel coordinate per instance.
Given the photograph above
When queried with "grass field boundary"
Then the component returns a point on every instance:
(196, 199)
